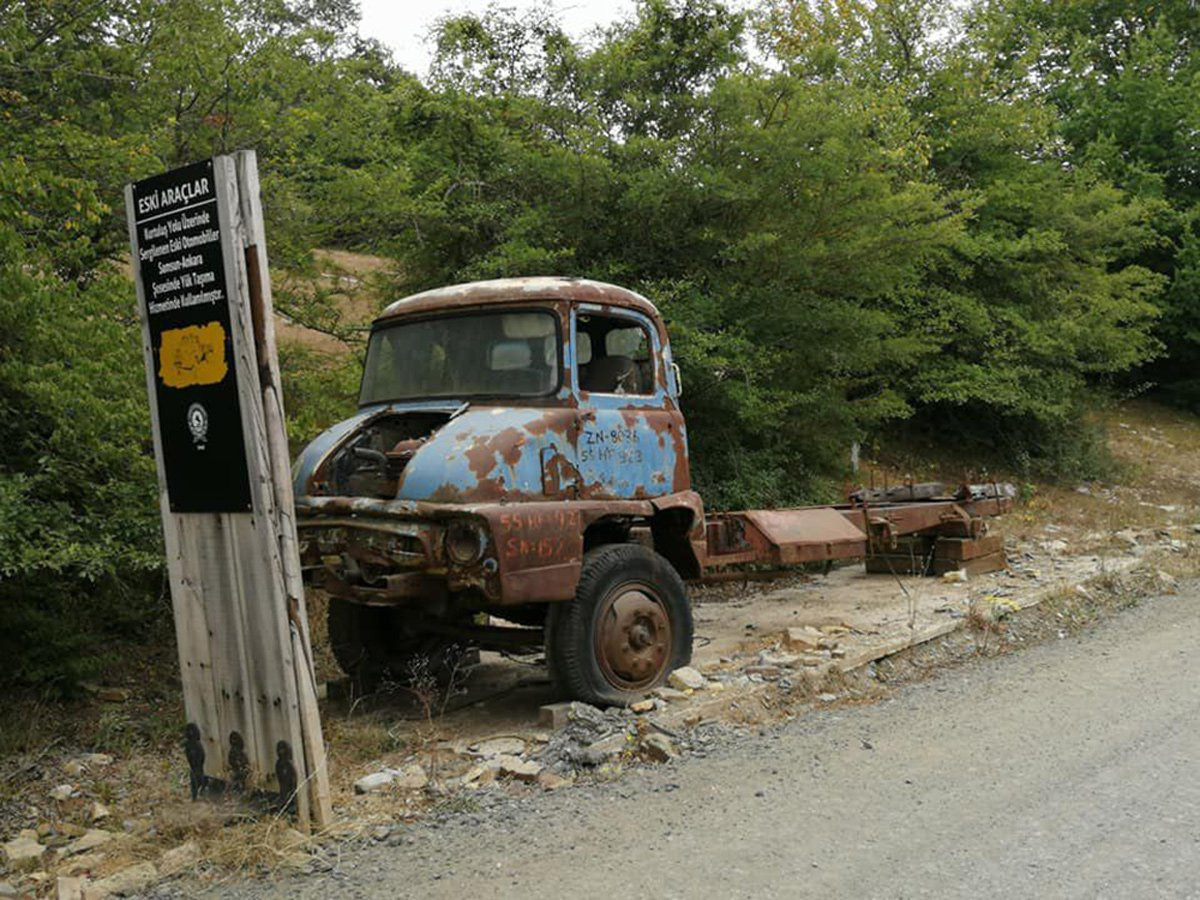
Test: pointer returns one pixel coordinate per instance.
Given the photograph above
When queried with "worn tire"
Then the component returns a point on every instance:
(357, 637)
(372, 645)
(628, 628)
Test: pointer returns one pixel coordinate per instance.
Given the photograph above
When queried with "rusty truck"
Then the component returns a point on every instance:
(517, 477)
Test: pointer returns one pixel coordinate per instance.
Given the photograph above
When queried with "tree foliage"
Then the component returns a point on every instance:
(854, 215)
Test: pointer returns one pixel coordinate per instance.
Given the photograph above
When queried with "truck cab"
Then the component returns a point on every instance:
(518, 454)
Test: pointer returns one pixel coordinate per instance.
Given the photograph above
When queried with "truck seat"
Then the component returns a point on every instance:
(606, 373)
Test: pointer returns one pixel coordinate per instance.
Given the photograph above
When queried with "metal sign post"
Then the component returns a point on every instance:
(208, 335)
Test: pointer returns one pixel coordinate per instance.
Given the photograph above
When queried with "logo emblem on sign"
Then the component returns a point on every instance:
(197, 422)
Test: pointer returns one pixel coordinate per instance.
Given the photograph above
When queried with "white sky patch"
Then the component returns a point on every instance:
(405, 26)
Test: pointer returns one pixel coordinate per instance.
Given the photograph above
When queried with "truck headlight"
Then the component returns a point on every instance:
(465, 542)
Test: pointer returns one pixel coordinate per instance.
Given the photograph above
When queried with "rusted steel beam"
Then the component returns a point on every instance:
(845, 531)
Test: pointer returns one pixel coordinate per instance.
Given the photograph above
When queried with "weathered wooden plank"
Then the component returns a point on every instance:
(262, 594)
(235, 577)
(314, 762)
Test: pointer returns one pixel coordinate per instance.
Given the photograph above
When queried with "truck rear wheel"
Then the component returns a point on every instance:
(629, 626)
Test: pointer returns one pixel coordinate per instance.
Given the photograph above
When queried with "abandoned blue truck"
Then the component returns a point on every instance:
(519, 454)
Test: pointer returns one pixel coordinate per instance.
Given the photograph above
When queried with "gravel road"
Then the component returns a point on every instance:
(1067, 770)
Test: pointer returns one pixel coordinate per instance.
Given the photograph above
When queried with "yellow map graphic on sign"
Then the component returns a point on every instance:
(192, 355)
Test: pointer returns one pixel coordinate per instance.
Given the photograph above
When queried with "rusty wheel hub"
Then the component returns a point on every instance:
(633, 637)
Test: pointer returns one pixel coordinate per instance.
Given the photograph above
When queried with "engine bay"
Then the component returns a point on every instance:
(371, 461)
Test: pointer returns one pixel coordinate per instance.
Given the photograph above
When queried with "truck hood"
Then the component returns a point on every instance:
(478, 455)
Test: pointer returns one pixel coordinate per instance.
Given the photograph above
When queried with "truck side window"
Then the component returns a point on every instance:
(614, 355)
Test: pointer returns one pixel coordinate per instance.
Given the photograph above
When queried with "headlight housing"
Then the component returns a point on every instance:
(464, 542)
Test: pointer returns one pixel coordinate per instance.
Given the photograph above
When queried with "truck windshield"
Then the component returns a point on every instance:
(480, 354)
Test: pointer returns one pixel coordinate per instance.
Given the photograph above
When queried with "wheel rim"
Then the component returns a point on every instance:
(633, 637)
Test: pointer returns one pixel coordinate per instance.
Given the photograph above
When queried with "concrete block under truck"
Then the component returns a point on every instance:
(519, 451)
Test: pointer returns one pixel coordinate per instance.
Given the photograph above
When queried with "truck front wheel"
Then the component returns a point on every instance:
(375, 644)
(628, 627)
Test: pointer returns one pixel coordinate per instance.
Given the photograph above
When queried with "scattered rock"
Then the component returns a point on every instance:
(62, 792)
(96, 759)
(783, 660)
(519, 769)
(805, 638)
(69, 888)
(99, 811)
(91, 839)
(642, 706)
(1128, 535)
(479, 775)
(686, 678)
(585, 714)
(1166, 582)
(74, 768)
(411, 777)
(768, 672)
(501, 746)
(586, 726)
(7, 890)
(957, 576)
(126, 881)
(826, 698)
(598, 752)
(85, 862)
(179, 858)
(22, 853)
(658, 747)
(1055, 547)
(554, 715)
(376, 781)
(669, 694)
(551, 781)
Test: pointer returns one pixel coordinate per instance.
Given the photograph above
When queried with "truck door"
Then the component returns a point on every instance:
(631, 439)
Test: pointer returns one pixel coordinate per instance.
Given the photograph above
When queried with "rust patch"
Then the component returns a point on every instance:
(682, 480)
(481, 456)
(512, 453)
(559, 474)
(552, 420)
(447, 493)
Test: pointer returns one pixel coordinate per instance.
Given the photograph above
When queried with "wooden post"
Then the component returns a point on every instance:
(225, 486)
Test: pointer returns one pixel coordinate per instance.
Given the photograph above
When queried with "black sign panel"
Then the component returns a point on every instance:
(182, 267)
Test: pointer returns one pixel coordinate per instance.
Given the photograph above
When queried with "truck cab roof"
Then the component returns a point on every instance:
(510, 290)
